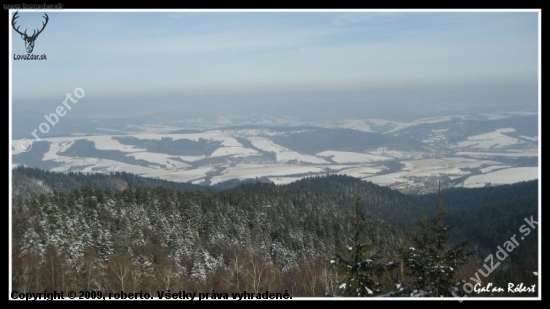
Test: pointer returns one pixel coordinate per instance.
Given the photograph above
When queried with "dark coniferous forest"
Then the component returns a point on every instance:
(320, 236)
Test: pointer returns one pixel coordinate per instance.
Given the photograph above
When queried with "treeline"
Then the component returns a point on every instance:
(254, 237)
(28, 182)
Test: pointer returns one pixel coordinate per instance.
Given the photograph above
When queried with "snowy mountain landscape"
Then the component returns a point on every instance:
(460, 150)
(245, 154)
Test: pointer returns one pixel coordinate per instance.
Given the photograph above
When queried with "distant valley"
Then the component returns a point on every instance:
(459, 150)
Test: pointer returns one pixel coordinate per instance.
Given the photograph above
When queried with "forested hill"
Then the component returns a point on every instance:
(486, 215)
(337, 190)
(31, 182)
(166, 232)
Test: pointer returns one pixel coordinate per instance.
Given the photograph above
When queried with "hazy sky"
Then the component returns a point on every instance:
(236, 62)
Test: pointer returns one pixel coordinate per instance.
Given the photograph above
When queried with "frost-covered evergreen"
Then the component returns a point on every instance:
(431, 263)
(360, 266)
(254, 237)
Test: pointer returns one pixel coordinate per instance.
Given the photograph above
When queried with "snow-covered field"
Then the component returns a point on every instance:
(492, 140)
(434, 167)
(492, 168)
(252, 153)
(55, 148)
(160, 158)
(251, 171)
(352, 157)
(503, 176)
(284, 154)
(234, 151)
(401, 126)
(362, 171)
(95, 165)
(396, 154)
(354, 124)
(530, 152)
(108, 143)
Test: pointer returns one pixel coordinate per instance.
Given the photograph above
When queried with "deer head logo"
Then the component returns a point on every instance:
(29, 40)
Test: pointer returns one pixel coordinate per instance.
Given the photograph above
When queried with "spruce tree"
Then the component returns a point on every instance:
(359, 266)
(431, 263)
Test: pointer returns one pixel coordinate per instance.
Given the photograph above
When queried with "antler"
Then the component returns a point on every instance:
(13, 24)
(43, 26)
(34, 33)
